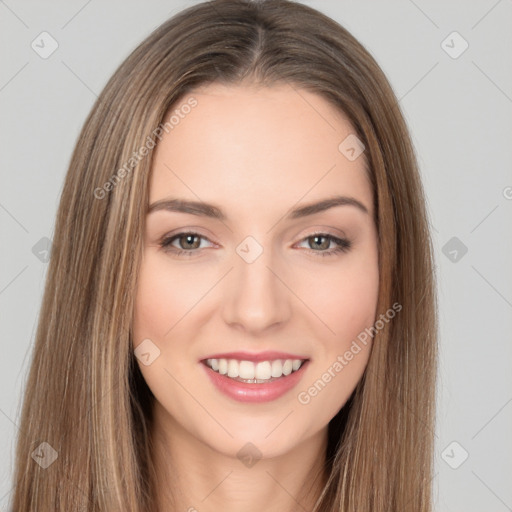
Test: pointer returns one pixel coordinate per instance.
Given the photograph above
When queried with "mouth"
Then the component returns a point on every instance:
(250, 378)
(252, 372)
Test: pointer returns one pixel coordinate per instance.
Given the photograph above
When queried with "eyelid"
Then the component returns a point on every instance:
(192, 230)
(322, 230)
(323, 233)
(342, 243)
(196, 230)
(172, 236)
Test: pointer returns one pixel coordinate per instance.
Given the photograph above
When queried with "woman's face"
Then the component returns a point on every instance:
(249, 274)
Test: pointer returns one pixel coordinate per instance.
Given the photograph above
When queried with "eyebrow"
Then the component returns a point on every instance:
(209, 210)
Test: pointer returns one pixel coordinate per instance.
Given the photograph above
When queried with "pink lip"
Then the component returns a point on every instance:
(255, 357)
(255, 393)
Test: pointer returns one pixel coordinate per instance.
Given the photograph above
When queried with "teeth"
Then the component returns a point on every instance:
(263, 370)
(248, 370)
(223, 366)
(277, 368)
(232, 368)
(287, 367)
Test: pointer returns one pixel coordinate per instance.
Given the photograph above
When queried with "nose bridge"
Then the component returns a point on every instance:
(255, 298)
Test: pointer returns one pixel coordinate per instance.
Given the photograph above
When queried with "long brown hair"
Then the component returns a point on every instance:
(85, 396)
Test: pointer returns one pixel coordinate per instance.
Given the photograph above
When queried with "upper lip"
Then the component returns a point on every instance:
(255, 356)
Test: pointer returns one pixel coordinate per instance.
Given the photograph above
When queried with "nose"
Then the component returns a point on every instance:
(255, 297)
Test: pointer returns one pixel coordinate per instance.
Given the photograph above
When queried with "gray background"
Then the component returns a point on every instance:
(459, 113)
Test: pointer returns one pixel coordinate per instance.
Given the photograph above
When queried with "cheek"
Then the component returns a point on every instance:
(345, 301)
(342, 354)
(163, 298)
(347, 304)
(353, 309)
(164, 295)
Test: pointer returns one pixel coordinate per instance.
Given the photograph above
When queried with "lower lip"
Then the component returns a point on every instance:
(255, 393)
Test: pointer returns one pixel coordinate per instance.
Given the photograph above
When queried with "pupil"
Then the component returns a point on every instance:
(318, 237)
(188, 239)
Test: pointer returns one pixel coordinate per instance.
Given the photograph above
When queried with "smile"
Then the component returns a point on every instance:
(254, 381)
(252, 372)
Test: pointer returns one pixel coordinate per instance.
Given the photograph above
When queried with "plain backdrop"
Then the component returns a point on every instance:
(450, 64)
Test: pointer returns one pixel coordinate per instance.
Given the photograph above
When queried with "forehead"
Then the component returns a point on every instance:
(248, 144)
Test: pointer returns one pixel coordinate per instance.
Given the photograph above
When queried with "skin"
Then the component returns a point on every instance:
(255, 153)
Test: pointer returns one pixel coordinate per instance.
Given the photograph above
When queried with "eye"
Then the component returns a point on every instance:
(324, 240)
(187, 241)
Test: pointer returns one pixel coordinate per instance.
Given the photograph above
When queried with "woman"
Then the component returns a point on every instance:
(240, 308)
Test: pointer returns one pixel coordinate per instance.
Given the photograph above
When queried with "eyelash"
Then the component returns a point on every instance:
(343, 244)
